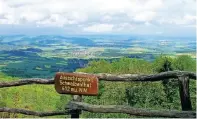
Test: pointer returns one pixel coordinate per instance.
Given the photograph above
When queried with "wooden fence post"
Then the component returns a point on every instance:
(77, 112)
(184, 93)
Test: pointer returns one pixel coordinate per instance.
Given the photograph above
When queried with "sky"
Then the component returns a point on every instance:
(156, 17)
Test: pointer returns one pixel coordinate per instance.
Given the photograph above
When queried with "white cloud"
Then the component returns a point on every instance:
(180, 20)
(99, 28)
(144, 16)
(106, 18)
(100, 13)
(31, 16)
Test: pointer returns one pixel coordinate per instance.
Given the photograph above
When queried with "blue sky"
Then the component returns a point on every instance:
(157, 17)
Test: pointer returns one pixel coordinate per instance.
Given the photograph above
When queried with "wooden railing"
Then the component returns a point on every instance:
(75, 107)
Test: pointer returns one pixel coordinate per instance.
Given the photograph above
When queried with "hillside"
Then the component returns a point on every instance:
(143, 95)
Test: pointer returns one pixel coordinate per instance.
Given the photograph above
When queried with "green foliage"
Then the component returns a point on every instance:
(60, 104)
(133, 66)
(30, 97)
(97, 67)
(184, 63)
(158, 95)
(4, 77)
(162, 63)
(151, 95)
(123, 65)
(170, 87)
(146, 95)
(114, 93)
(192, 90)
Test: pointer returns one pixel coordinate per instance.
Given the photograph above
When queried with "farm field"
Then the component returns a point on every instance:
(42, 56)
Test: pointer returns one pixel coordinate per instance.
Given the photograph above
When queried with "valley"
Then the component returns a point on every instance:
(43, 56)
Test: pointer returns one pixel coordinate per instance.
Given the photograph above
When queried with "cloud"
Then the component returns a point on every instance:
(98, 15)
(99, 28)
(144, 16)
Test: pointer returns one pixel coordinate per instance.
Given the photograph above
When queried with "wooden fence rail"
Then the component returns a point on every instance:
(106, 109)
(28, 112)
(108, 77)
(74, 107)
(130, 110)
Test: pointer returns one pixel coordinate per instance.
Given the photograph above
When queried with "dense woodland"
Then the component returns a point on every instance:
(152, 95)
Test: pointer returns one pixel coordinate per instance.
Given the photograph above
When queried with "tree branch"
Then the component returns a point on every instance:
(109, 77)
(130, 110)
(27, 112)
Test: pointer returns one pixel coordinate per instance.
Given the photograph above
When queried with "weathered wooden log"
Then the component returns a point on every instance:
(184, 93)
(28, 112)
(130, 110)
(106, 109)
(26, 82)
(108, 77)
(140, 77)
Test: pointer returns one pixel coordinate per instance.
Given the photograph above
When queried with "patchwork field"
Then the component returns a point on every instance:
(42, 56)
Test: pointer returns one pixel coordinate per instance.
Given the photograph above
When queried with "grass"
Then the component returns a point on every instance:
(30, 97)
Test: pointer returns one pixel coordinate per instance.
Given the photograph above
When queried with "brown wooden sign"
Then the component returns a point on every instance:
(78, 84)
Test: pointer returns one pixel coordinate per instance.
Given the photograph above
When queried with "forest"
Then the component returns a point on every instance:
(161, 95)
